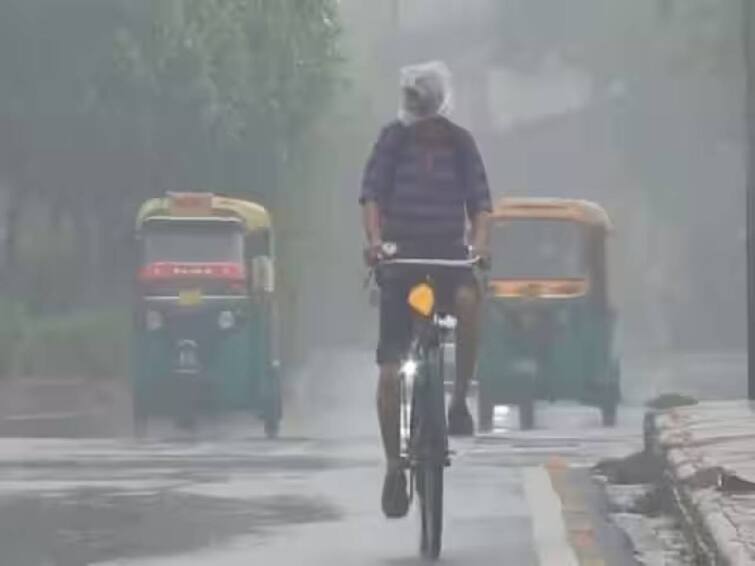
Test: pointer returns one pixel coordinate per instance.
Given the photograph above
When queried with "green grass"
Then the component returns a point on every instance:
(88, 344)
(13, 330)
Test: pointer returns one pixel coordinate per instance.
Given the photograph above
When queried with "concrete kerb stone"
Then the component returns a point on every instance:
(690, 477)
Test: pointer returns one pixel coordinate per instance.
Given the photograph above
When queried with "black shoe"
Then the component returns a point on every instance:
(395, 496)
(460, 422)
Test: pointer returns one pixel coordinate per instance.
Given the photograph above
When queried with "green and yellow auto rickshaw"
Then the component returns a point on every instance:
(548, 325)
(204, 338)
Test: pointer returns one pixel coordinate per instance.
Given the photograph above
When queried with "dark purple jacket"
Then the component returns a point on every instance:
(427, 179)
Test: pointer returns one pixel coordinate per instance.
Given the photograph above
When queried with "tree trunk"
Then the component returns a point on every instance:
(10, 244)
(84, 237)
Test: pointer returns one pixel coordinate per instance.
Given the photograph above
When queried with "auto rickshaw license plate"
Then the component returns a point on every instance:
(190, 297)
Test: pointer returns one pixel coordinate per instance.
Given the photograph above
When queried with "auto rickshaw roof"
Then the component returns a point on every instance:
(583, 211)
(186, 206)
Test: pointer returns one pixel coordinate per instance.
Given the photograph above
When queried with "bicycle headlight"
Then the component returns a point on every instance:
(422, 299)
(410, 367)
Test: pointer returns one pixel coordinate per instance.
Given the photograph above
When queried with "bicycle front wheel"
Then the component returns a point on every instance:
(432, 452)
(431, 504)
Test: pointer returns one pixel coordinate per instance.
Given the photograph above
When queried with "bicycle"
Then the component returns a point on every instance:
(424, 437)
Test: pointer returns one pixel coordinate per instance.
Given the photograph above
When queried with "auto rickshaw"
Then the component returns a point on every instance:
(548, 325)
(204, 339)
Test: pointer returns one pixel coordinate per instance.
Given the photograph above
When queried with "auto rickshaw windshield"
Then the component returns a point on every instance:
(538, 249)
(187, 242)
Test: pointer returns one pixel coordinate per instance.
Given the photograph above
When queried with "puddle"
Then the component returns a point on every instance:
(638, 509)
(92, 526)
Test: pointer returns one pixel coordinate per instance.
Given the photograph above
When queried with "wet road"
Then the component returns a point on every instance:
(228, 497)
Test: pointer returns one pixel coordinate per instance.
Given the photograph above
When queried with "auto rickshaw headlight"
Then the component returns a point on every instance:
(226, 320)
(153, 320)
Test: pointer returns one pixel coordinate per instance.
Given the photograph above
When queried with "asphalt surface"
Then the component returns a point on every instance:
(226, 496)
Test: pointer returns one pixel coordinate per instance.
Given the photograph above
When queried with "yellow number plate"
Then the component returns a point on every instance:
(190, 297)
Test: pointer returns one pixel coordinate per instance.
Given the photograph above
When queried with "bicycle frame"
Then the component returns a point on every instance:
(424, 438)
(428, 335)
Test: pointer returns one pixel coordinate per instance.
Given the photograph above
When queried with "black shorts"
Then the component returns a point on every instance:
(395, 313)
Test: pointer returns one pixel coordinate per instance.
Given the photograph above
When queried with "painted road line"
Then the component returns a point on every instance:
(576, 514)
(548, 529)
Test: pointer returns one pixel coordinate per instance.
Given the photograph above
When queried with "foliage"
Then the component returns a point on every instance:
(88, 344)
(12, 334)
(104, 103)
(107, 103)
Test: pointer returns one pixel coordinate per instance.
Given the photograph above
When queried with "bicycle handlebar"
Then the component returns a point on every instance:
(389, 251)
(470, 262)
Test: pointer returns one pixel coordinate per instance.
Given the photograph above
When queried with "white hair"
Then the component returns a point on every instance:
(432, 80)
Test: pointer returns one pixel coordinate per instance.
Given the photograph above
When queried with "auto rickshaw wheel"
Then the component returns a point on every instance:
(272, 428)
(186, 421)
(273, 407)
(608, 413)
(141, 426)
(485, 412)
(527, 414)
(185, 405)
(140, 418)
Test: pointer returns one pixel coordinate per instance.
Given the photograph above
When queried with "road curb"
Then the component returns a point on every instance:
(689, 486)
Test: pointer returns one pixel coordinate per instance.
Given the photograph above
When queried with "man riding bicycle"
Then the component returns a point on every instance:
(424, 179)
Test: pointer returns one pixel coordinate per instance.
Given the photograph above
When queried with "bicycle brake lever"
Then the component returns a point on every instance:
(368, 278)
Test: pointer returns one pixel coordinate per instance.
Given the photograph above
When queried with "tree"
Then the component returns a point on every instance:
(107, 103)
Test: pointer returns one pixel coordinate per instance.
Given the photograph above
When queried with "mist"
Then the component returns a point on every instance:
(636, 106)
(187, 326)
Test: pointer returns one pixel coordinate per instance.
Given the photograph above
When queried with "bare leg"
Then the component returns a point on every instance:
(467, 331)
(389, 412)
(395, 498)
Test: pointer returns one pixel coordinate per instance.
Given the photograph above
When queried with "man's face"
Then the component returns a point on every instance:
(417, 104)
